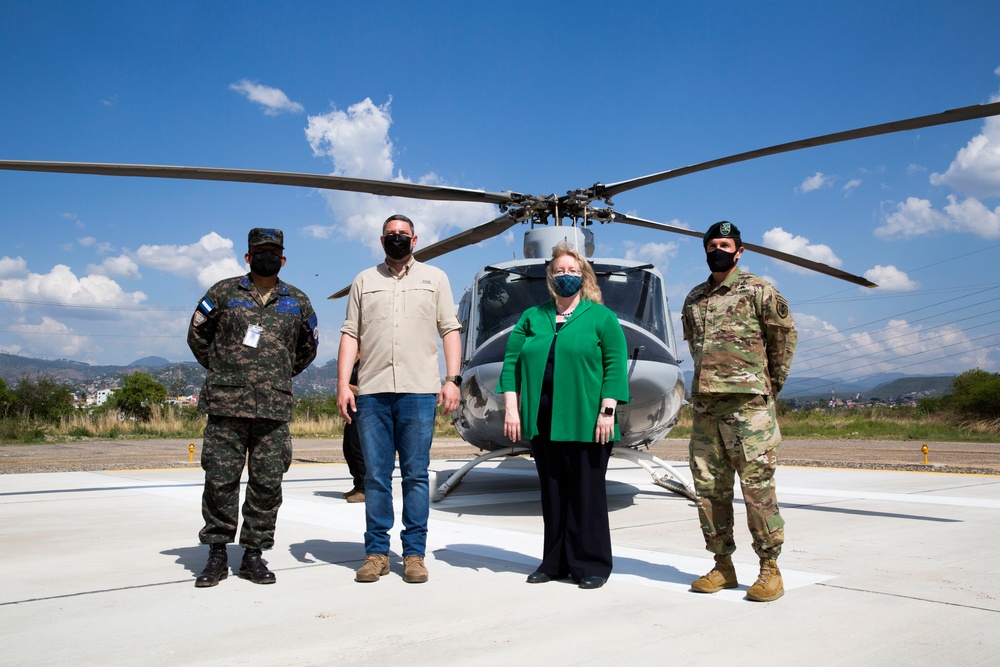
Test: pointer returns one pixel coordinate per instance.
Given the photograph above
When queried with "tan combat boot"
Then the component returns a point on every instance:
(375, 566)
(768, 586)
(414, 571)
(723, 575)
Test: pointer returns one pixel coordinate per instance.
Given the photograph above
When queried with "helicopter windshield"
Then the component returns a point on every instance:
(633, 293)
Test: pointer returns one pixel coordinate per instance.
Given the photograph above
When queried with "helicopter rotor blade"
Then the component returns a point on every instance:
(479, 233)
(323, 182)
(943, 118)
(487, 230)
(819, 267)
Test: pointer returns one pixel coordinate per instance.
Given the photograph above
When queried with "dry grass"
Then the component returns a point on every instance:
(878, 423)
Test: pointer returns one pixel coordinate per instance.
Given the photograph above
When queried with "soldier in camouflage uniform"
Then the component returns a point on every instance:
(742, 338)
(253, 333)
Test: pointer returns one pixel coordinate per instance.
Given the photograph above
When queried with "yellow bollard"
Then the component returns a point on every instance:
(925, 449)
(191, 453)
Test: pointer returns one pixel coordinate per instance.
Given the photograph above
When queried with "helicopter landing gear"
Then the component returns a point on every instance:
(671, 480)
(439, 492)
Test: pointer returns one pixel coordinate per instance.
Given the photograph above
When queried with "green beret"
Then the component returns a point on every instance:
(262, 236)
(723, 230)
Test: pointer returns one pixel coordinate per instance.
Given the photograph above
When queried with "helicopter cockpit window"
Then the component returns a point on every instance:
(635, 295)
(503, 297)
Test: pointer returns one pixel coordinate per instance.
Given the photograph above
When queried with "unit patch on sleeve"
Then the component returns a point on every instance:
(781, 308)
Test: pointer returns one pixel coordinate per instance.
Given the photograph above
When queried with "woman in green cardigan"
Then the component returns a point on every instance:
(564, 373)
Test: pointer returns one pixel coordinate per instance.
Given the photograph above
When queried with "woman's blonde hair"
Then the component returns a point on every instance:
(590, 291)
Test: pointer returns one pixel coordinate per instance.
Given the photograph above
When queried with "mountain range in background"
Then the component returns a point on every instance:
(881, 386)
(186, 378)
(180, 378)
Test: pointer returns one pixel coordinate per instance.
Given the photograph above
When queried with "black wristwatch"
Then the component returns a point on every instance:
(457, 379)
(608, 412)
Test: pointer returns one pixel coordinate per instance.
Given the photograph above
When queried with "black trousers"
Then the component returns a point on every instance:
(574, 507)
(352, 453)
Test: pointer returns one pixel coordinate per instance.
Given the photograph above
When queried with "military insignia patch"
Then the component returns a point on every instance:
(725, 229)
(198, 319)
(782, 308)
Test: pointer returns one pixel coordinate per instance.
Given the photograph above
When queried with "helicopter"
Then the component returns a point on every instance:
(500, 292)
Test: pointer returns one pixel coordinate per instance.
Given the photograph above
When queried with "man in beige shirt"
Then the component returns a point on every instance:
(396, 311)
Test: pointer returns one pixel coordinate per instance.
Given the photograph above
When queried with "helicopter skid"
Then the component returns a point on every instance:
(439, 492)
(671, 480)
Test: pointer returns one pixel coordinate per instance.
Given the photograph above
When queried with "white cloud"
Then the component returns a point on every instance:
(121, 266)
(916, 216)
(62, 286)
(102, 247)
(815, 182)
(824, 351)
(851, 185)
(779, 239)
(654, 253)
(51, 338)
(975, 171)
(273, 100)
(12, 266)
(76, 221)
(357, 142)
(890, 279)
(209, 260)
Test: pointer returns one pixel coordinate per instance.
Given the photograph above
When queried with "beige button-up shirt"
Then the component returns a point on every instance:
(397, 320)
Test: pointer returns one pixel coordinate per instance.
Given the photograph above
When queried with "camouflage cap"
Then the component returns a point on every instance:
(723, 230)
(262, 236)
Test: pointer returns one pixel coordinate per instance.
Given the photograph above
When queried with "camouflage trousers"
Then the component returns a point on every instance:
(265, 447)
(736, 434)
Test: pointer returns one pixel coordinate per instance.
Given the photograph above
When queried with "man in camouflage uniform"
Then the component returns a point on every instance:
(253, 333)
(742, 338)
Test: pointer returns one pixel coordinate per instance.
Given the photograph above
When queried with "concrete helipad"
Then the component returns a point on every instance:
(880, 568)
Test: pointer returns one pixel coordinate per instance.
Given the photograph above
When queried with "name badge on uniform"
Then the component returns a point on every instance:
(253, 335)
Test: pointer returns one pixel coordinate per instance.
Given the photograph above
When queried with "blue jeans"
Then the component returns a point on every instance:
(389, 424)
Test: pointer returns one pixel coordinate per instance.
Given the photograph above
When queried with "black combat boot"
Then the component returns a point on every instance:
(216, 569)
(254, 569)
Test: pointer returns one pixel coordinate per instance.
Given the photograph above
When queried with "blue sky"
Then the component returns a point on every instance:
(538, 97)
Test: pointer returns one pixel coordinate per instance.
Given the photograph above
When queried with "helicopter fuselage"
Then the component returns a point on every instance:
(492, 305)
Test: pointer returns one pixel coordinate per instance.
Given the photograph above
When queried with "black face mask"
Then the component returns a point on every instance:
(720, 261)
(266, 263)
(397, 246)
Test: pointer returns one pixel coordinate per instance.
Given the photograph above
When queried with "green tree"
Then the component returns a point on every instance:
(977, 393)
(6, 398)
(137, 396)
(41, 398)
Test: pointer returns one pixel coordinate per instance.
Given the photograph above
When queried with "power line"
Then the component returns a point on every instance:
(943, 324)
(56, 304)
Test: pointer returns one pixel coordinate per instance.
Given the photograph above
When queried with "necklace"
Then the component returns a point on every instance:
(566, 314)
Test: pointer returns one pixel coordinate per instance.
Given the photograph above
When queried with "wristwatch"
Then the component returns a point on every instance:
(608, 412)
(457, 379)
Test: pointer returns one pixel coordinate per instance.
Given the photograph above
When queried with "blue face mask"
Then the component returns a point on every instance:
(567, 284)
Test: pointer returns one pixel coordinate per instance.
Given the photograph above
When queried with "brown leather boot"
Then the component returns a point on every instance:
(375, 566)
(723, 575)
(768, 586)
(414, 570)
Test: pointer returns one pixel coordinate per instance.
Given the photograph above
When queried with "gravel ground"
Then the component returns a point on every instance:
(956, 457)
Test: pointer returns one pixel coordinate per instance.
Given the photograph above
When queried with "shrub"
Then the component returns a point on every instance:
(137, 396)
